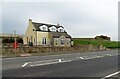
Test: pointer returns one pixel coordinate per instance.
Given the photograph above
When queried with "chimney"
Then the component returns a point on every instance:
(30, 20)
(58, 24)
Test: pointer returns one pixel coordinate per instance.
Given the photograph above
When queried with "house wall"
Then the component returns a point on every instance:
(67, 41)
(41, 35)
(30, 35)
(36, 37)
(56, 41)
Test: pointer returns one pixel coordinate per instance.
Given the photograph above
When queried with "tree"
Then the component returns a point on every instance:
(5, 40)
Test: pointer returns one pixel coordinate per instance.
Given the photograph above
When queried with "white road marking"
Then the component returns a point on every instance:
(44, 60)
(108, 54)
(39, 56)
(94, 57)
(78, 57)
(89, 58)
(82, 58)
(59, 60)
(24, 64)
(36, 62)
(99, 56)
(44, 64)
(111, 75)
(66, 61)
(43, 56)
(49, 63)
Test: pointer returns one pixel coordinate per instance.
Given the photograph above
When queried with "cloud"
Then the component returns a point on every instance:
(85, 18)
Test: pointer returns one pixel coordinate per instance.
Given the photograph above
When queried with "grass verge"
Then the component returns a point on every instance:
(107, 44)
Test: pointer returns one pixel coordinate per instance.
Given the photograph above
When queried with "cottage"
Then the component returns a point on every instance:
(46, 35)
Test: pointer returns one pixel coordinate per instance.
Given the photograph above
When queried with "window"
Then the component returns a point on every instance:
(44, 28)
(62, 40)
(53, 29)
(31, 39)
(60, 29)
(34, 39)
(56, 40)
(44, 41)
(27, 39)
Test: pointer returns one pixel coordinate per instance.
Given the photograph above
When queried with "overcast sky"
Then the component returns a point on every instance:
(83, 18)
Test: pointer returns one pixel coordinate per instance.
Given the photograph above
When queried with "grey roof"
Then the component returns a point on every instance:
(37, 25)
(54, 34)
(58, 34)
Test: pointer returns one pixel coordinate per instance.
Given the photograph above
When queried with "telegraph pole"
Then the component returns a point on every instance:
(15, 41)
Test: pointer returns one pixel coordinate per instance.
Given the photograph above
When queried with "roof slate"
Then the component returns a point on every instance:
(54, 34)
(37, 25)
(58, 34)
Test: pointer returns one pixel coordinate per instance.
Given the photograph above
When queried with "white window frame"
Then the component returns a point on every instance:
(60, 29)
(44, 28)
(62, 41)
(53, 29)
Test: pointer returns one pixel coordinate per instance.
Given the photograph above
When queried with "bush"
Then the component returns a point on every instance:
(11, 40)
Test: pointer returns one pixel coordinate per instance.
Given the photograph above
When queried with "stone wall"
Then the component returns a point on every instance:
(39, 49)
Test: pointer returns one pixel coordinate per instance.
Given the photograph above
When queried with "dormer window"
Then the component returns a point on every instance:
(44, 28)
(60, 29)
(53, 29)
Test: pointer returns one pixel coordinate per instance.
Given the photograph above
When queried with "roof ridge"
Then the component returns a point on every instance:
(45, 23)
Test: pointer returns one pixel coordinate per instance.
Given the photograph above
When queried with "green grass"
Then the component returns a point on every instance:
(108, 44)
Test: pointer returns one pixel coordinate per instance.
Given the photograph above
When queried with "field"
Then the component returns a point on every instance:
(108, 44)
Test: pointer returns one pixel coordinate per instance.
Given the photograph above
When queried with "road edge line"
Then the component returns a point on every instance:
(110, 75)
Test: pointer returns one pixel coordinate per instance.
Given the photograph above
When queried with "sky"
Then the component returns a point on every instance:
(81, 19)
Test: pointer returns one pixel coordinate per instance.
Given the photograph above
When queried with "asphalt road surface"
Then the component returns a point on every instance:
(102, 64)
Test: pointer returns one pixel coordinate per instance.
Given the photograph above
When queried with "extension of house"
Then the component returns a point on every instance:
(46, 35)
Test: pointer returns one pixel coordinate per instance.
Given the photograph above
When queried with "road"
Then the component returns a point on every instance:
(102, 64)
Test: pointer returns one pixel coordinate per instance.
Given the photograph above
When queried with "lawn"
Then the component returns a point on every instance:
(108, 44)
